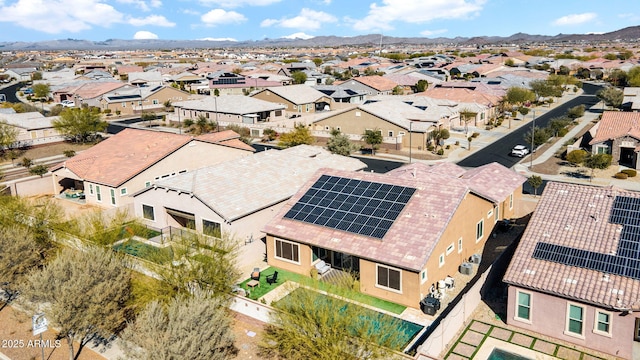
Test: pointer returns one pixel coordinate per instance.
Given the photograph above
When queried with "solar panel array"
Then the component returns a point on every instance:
(626, 260)
(356, 206)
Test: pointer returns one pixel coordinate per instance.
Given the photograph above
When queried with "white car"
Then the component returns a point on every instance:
(519, 151)
(67, 103)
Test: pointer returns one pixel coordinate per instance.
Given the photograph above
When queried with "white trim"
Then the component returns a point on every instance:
(478, 238)
(123, 191)
(450, 248)
(460, 243)
(91, 189)
(425, 278)
(275, 250)
(511, 201)
(202, 220)
(112, 196)
(566, 326)
(517, 304)
(385, 287)
(489, 213)
(595, 323)
(98, 194)
(441, 260)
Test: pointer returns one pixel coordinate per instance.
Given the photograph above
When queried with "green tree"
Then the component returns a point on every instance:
(36, 76)
(340, 143)
(8, 136)
(19, 256)
(300, 135)
(559, 123)
(80, 125)
(611, 96)
(26, 162)
(86, 292)
(269, 134)
(540, 136)
(69, 153)
(576, 157)
(576, 112)
(597, 161)
(39, 170)
(535, 181)
(373, 138)
(299, 77)
(397, 90)
(317, 61)
(310, 325)
(617, 77)
(439, 135)
(421, 86)
(545, 88)
(41, 90)
(189, 327)
(634, 76)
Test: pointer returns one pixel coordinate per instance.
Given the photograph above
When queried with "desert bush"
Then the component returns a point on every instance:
(630, 172)
(440, 152)
(475, 135)
(621, 175)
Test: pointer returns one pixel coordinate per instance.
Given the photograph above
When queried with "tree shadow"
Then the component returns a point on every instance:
(577, 174)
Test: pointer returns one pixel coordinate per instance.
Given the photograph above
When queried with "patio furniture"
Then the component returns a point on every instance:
(253, 283)
(255, 274)
(272, 279)
(322, 267)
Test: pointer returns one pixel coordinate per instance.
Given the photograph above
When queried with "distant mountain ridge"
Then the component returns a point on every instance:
(629, 34)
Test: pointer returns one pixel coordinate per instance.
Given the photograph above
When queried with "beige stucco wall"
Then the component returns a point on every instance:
(305, 257)
(410, 289)
(154, 102)
(267, 95)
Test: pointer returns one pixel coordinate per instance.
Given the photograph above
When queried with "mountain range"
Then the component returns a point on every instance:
(627, 34)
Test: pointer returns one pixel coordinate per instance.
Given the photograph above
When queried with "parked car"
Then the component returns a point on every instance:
(67, 103)
(28, 91)
(519, 151)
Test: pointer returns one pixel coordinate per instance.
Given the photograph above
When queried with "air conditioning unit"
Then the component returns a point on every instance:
(476, 258)
(466, 268)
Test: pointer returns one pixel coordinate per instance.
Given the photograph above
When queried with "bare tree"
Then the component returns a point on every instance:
(189, 327)
(85, 293)
(20, 254)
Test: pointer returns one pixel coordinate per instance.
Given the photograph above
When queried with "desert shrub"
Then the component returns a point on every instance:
(475, 135)
(448, 147)
(562, 132)
(621, 175)
(630, 172)
(313, 273)
(440, 152)
(430, 147)
(107, 111)
(457, 143)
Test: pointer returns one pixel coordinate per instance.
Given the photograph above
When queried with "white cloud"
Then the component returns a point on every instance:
(219, 16)
(237, 3)
(416, 11)
(433, 32)
(307, 19)
(143, 5)
(156, 20)
(143, 35)
(217, 39)
(299, 35)
(575, 19)
(70, 15)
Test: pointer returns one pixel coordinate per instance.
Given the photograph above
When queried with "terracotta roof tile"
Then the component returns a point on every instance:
(575, 216)
(377, 82)
(615, 124)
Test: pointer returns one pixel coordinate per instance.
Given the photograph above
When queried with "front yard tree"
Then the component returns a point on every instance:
(189, 327)
(535, 181)
(299, 77)
(340, 143)
(80, 125)
(8, 135)
(597, 161)
(41, 91)
(576, 157)
(544, 88)
(540, 136)
(39, 170)
(421, 86)
(310, 325)
(86, 293)
(20, 254)
(373, 138)
(611, 96)
(438, 135)
(300, 135)
(576, 112)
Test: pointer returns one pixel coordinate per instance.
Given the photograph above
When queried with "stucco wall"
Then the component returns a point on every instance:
(305, 258)
(410, 289)
(549, 316)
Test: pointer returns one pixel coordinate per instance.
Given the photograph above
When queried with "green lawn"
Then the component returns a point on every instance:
(284, 275)
(144, 251)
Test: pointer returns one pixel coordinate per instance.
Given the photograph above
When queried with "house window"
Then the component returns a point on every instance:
(636, 331)
(489, 213)
(459, 245)
(603, 323)
(288, 251)
(603, 149)
(155, 102)
(98, 195)
(147, 184)
(479, 230)
(358, 113)
(90, 189)
(389, 278)
(441, 260)
(575, 319)
(211, 228)
(390, 133)
(112, 192)
(401, 133)
(123, 191)
(423, 276)
(523, 306)
(278, 113)
(450, 249)
(148, 213)
(511, 201)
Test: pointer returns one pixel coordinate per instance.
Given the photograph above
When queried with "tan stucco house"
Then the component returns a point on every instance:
(296, 98)
(618, 134)
(129, 100)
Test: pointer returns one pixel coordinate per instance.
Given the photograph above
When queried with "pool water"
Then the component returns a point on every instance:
(499, 354)
(380, 321)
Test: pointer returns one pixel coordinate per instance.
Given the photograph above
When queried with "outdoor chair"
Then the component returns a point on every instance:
(272, 279)
(255, 274)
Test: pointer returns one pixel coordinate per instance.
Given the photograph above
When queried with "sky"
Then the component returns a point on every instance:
(240, 20)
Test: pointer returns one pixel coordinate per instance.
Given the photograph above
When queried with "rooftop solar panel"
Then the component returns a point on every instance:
(357, 206)
(626, 260)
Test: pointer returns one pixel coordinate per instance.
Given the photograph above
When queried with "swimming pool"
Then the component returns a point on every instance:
(499, 354)
(380, 322)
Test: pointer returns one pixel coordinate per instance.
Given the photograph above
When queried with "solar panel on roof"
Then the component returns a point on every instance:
(625, 262)
(357, 206)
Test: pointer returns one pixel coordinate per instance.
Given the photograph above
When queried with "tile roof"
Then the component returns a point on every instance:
(297, 94)
(462, 95)
(575, 216)
(615, 124)
(29, 120)
(377, 82)
(230, 104)
(258, 181)
(124, 155)
(410, 240)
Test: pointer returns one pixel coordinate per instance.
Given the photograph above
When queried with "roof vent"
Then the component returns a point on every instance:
(617, 291)
(546, 234)
(605, 277)
(563, 192)
(529, 272)
(335, 240)
(568, 227)
(571, 281)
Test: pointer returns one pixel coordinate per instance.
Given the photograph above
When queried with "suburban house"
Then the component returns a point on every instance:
(85, 92)
(618, 134)
(146, 78)
(130, 100)
(403, 124)
(342, 94)
(400, 232)
(575, 274)
(631, 99)
(296, 98)
(133, 159)
(227, 109)
(237, 196)
(228, 83)
(371, 85)
(33, 128)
